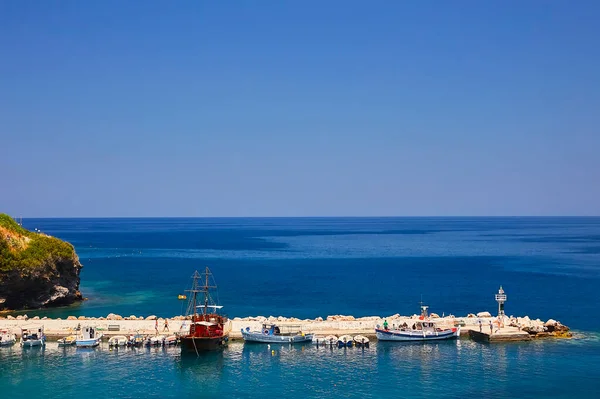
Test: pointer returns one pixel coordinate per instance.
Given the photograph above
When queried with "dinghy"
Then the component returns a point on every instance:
(117, 340)
(67, 341)
(345, 341)
(361, 341)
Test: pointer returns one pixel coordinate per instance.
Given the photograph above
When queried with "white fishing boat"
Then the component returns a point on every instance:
(117, 340)
(423, 329)
(67, 341)
(345, 341)
(361, 341)
(7, 338)
(33, 336)
(88, 337)
(272, 334)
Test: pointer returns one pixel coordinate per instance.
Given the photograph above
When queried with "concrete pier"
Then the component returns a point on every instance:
(511, 329)
(502, 335)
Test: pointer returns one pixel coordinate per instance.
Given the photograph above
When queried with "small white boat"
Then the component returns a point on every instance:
(345, 341)
(33, 336)
(156, 340)
(271, 334)
(88, 338)
(7, 338)
(361, 341)
(171, 340)
(67, 341)
(118, 340)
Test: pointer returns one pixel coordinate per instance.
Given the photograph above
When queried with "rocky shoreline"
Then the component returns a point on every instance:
(515, 328)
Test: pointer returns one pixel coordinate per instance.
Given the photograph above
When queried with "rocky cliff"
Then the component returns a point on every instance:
(36, 270)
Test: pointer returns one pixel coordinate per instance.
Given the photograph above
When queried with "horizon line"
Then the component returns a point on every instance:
(312, 217)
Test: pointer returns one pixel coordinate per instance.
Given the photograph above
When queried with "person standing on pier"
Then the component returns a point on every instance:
(480, 326)
(166, 325)
(491, 327)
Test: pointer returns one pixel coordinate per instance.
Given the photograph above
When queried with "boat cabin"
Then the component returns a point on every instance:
(32, 333)
(88, 332)
(273, 329)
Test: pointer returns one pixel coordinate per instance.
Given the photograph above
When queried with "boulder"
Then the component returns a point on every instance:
(71, 318)
(36, 318)
(319, 318)
(151, 317)
(484, 314)
(9, 317)
(45, 318)
(82, 318)
(20, 317)
(471, 315)
(550, 322)
(132, 317)
(434, 316)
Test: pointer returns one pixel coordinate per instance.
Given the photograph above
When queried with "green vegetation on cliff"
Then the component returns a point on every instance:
(21, 249)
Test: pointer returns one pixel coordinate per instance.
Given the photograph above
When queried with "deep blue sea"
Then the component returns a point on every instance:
(309, 267)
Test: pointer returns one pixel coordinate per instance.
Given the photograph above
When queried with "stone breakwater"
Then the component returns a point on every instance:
(114, 324)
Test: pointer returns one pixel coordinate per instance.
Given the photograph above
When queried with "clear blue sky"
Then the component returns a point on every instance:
(281, 108)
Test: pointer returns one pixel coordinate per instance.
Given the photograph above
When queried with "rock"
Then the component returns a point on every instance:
(132, 317)
(81, 318)
(319, 318)
(471, 315)
(9, 317)
(434, 316)
(47, 276)
(20, 317)
(45, 318)
(484, 314)
(71, 318)
(550, 322)
(36, 318)
(151, 317)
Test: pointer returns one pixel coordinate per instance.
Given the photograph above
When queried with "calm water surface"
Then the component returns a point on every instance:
(550, 267)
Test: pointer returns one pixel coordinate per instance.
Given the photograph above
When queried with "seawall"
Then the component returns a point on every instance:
(513, 328)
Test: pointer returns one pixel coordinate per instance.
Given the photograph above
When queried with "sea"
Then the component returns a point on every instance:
(549, 267)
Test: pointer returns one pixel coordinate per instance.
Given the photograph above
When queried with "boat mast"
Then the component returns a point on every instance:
(206, 291)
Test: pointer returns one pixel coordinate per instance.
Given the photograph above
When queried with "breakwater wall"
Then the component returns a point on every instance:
(514, 328)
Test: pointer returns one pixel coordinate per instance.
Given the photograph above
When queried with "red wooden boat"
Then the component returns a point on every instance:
(209, 331)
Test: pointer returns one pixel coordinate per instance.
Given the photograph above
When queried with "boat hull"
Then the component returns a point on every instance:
(33, 342)
(7, 342)
(258, 337)
(87, 343)
(202, 344)
(416, 335)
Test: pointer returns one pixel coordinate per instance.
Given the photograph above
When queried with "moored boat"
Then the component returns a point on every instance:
(361, 341)
(67, 341)
(7, 338)
(345, 341)
(88, 337)
(208, 331)
(272, 334)
(423, 329)
(171, 340)
(33, 336)
(328, 340)
(117, 340)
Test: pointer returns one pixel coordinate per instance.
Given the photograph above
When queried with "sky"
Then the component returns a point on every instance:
(299, 108)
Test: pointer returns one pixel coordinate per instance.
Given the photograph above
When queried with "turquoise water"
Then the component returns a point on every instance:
(550, 267)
